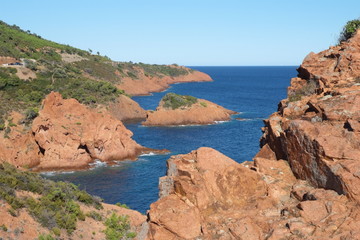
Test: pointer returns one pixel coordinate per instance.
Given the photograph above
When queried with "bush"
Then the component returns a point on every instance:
(174, 101)
(45, 237)
(118, 227)
(56, 208)
(123, 205)
(349, 30)
(306, 90)
(94, 215)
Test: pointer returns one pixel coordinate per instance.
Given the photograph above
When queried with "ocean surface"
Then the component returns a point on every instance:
(254, 92)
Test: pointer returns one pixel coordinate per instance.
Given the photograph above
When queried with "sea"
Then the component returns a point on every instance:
(253, 92)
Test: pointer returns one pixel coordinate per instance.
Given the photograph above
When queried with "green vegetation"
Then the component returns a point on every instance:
(22, 44)
(203, 104)
(118, 227)
(94, 215)
(123, 205)
(3, 227)
(349, 30)
(57, 205)
(174, 101)
(91, 80)
(26, 96)
(158, 70)
(46, 237)
(306, 90)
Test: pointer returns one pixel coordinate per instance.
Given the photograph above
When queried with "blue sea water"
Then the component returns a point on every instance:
(254, 92)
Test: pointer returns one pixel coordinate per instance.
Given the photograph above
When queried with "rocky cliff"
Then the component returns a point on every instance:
(144, 84)
(68, 135)
(126, 109)
(176, 109)
(303, 183)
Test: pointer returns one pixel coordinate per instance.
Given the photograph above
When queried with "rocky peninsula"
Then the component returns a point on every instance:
(144, 84)
(175, 109)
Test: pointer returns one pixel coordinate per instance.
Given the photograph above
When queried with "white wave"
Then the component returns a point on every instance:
(48, 174)
(97, 163)
(53, 173)
(148, 154)
(218, 122)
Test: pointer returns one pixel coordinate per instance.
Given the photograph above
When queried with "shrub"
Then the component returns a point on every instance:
(349, 30)
(203, 104)
(45, 237)
(174, 101)
(94, 215)
(118, 227)
(308, 89)
(56, 208)
(123, 205)
(4, 228)
(56, 231)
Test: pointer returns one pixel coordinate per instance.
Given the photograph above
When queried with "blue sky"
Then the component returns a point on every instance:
(193, 33)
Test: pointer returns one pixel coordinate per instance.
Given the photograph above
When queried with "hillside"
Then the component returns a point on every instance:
(32, 67)
(35, 208)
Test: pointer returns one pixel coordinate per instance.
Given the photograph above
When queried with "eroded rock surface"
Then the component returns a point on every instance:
(206, 195)
(317, 128)
(303, 183)
(68, 135)
(202, 112)
(145, 84)
(126, 109)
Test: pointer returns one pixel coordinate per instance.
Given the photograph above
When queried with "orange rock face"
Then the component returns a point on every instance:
(319, 133)
(202, 112)
(68, 135)
(144, 85)
(303, 183)
(206, 195)
(126, 109)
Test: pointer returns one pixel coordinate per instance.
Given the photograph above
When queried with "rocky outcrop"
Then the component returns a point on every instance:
(68, 135)
(303, 183)
(126, 109)
(201, 112)
(7, 60)
(317, 128)
(206, 195)
(145, 84)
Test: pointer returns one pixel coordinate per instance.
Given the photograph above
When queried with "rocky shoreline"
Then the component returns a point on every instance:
(145, 84)
(199, 112)
(303, 183)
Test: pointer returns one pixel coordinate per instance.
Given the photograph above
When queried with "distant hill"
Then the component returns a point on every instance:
(31, 67)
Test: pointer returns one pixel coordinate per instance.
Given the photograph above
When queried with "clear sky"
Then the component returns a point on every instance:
(188, 32)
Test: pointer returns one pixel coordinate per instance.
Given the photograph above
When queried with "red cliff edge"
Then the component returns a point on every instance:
(68, 135)
(303, 183)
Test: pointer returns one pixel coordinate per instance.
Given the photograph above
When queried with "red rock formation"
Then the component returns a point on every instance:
(206, 195)
(68, 135)
(144, 85)
(317, 131)
(303, 183)
(202, 112)
(126, 109)
(7, 60)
